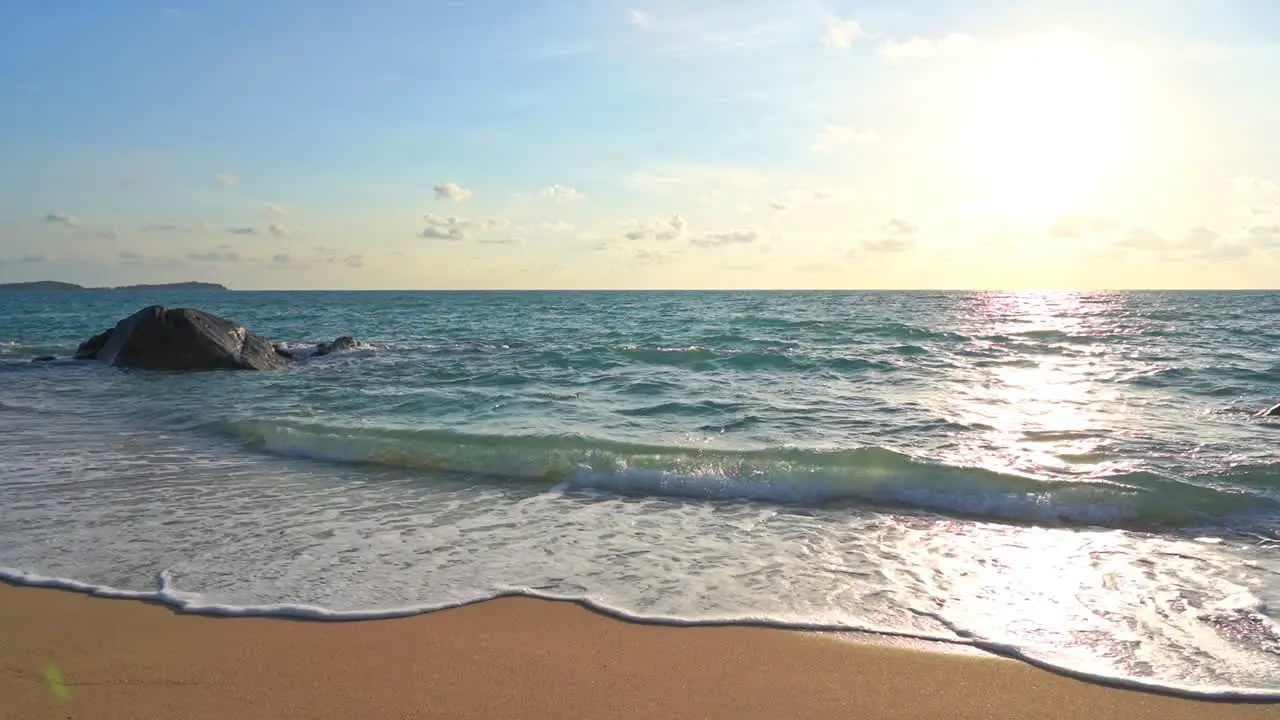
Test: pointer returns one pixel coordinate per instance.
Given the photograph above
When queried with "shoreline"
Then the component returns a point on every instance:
(511, 657)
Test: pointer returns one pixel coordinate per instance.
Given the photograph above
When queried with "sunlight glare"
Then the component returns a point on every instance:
(1049, 125)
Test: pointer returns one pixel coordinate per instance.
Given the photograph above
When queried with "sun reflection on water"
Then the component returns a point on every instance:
(1037, 395)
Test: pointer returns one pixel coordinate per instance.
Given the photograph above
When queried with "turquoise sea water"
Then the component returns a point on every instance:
(1072, 478)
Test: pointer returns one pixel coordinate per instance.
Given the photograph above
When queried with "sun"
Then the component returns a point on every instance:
(1048, 126)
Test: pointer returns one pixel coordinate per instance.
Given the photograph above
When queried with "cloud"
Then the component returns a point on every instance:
(841, 33)
(32, 259)
(280, 258)
(355, 261)
(922, 48)
(733, 237)
(1202, 236)
(62, 219)
(243, 230)
(279, 231)
(455, 228)
(1140, 238)
(442, 228)
(779, 206)
(639, 19)
(511, 240)
(451, 191)
(839, 138)
(898, 235)
(649, 256)
(556, 226)
(898, 226)
(112, 234)
(560, 193)
(1268, 235)
(1076, 226)
(169, 226)
(660, 230)
(1205, 244)
(275, 210)
(226, 179)
(130, 257)
(223, 254)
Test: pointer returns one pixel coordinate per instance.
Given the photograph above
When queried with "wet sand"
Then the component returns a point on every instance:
(507, 658)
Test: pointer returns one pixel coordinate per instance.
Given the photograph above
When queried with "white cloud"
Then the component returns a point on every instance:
(660, 230)
(456, 228)
(62, 219)
(639, 19)
(733, 237)
(243, 230)
(445, 228)
(898, 235)
(779, 206)
(278, 231)
(1268, 235)
(354, 261)
(112, 234)
(1202, 236)
(510, 240)
(839, 138)
(275, 210)
(1141, 238)
(560, 193)
(922, 48)
(222, 254)
(556, 226)
(650, 256)
(169, 226)
(842, 33)
(226, 179)
(898, 226)
(451, 191)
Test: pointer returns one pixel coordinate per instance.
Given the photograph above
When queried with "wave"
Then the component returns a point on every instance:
(868, 475)
(13, 350)
(195, 604)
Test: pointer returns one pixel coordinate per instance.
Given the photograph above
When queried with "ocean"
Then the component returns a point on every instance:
(1073, 479)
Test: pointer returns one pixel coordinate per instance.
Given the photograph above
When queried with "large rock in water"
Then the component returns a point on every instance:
(1273, 412)
(160, 338)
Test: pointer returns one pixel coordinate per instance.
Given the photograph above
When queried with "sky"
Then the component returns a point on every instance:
(460, 144)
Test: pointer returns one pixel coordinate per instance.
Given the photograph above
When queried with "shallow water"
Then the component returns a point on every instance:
(1072, 478)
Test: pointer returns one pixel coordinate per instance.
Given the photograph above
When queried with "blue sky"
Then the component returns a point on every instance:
(761, 143)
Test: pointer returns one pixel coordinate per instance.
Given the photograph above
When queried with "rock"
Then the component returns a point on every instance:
(88, 349)
(160, 338)
(43, 358)
(346, 342)
(1273, 412)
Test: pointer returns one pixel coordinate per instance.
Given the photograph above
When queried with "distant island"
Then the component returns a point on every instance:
(55, 285)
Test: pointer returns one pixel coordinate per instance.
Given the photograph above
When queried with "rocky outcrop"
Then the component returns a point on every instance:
(43, 358)
(346, 342)
(161, 338)
(1273, 412)
(88, 349)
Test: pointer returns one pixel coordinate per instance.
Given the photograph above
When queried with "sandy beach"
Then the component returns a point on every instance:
(508, 658)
